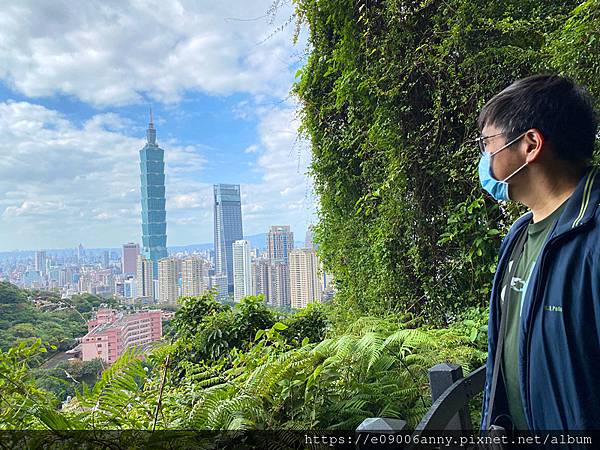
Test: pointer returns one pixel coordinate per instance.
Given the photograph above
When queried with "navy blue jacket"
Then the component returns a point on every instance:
(559, 349)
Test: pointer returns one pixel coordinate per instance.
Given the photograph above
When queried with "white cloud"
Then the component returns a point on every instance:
(61, 184)
(33, 209)
(186, 201)
(117, 53)
(285, 193)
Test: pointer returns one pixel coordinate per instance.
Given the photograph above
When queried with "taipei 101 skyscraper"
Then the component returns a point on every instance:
(154, 215)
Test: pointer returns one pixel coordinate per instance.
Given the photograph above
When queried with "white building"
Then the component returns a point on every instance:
(242, 270)
(305, 285)
(144, 279)
(168, 274)
(40, 262)
(193, 273)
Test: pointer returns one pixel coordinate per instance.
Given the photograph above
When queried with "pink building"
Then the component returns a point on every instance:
(103, 315)
(111, 333)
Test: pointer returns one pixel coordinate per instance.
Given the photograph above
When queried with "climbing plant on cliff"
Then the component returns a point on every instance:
(389, 98)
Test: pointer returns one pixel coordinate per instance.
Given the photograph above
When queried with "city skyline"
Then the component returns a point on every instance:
(284, 274)
(71, 172)
(254, 238)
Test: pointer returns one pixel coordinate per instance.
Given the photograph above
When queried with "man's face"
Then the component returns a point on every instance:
(506, 161)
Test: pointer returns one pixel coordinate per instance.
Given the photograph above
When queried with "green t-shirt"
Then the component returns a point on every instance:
(536, 236)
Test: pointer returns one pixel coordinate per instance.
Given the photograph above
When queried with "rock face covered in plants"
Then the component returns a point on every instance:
(390, 93)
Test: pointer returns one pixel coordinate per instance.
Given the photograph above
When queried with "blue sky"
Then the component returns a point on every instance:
(76, 84)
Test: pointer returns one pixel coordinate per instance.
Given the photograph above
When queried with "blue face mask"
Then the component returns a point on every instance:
(496, 188)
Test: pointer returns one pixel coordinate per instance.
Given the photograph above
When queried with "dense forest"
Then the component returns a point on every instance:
(388, 96)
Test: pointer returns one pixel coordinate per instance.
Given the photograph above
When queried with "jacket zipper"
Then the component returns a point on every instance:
(539, 280)
(528, 343)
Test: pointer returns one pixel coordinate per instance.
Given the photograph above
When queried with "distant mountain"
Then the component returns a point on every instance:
(258, 241)
(189, 248)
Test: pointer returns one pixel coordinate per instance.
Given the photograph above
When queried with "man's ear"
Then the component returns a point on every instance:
(534, 141)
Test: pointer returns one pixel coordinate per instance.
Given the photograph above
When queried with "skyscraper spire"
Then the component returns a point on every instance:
(154, 221)
(151, 132)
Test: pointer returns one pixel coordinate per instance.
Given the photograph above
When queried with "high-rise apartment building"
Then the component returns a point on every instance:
(193, 274)
(154, 216)
(62, 277)
(105, 259)
(219, 284)
(80, 254)
(305, 285)
(168, 274)
(279, 283)
(280, 242)
(227, 227)
(242, 270)
(40, 262)
(129, 256)
(144, 279)
(260, 277)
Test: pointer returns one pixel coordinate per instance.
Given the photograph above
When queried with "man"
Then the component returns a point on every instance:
(537, 142)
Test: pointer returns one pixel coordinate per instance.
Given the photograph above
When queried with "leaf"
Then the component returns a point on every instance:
(473, 335)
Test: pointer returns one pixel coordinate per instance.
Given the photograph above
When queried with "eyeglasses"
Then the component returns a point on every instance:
(482, 138)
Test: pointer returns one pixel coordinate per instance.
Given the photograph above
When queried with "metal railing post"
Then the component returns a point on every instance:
(441, 377)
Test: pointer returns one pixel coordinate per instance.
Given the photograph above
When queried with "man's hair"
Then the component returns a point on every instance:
(560, 109)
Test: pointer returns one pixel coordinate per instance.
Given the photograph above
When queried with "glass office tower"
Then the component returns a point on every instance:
(154, 220)
(228, 228)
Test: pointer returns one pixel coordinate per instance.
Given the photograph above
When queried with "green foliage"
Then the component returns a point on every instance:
(575, 44)
(310, 323)
(389, 95)
(66, 377)
(22, 402)
(59, 322)
(334, 384)
(85, 303)
(207, 330)
(11, 294)
(377, 367)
